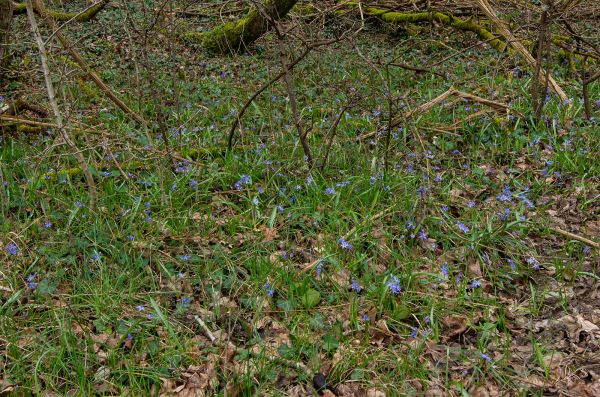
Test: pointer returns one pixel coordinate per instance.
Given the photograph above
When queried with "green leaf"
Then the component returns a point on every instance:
(330, 343)
(311, 298)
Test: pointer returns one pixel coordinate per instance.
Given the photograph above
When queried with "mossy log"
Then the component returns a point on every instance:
(446, 19)
(237, 35)
(19, 8)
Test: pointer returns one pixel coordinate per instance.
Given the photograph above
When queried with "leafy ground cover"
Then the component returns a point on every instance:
(443, 274)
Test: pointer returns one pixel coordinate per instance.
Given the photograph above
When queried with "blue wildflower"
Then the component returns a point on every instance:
(244, 180)
(11, 248)
(394, 285)
(475, 284)
(345, 245)
(506, 195)
(355, 287)
(319, 268)
(463, 228)
(445, 269)
(270, 291)
(329, 191)
(414, 331)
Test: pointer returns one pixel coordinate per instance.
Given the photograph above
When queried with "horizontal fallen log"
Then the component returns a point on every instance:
(446, 19)
(83, 16)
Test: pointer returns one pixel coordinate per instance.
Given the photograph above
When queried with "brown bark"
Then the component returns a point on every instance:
(6, 12)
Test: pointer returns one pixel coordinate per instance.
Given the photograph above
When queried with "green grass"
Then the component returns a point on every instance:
(115, 292)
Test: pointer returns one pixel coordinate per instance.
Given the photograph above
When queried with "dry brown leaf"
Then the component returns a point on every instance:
(350, 389)
(455, 325)
(270, 234)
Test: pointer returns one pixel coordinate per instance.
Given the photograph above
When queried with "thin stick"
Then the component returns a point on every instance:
(58, 117)
(205, 329)
(576, 237)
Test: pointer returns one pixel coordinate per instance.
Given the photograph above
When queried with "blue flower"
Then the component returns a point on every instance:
(130, 237)
(534, 264)
(475, 284)
(471, 204)
(414, 332)
(345, 245)
(365, 317)
(11, 248)
(330, 191)
(423, 235)
(486, 357)
(270, 291)
(244, 180)
(319, 267)
(355, 287)
(445, 269)
(506, 195)
(47, 224)
(193, 183)
(587, 250)
(394, 285)
(140, 308)
(463, 228)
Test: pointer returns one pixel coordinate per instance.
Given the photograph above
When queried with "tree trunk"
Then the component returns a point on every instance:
(6, 12)
(235, 36)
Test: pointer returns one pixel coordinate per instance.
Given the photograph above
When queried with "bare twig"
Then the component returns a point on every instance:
(589, 242)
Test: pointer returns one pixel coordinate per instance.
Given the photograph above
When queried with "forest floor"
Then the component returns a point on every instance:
(445, 274)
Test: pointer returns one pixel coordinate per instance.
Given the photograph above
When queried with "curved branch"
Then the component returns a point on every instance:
(83, 16)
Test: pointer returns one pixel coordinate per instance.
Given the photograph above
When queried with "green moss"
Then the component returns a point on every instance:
(233, 36)
(449, 20)
(21, 8)
(29, 129)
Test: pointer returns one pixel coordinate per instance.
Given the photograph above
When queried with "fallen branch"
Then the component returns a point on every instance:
(587, 241)
(520, 48)
(83, 16)
(20, 104)
(498, 106)
(446, 19)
